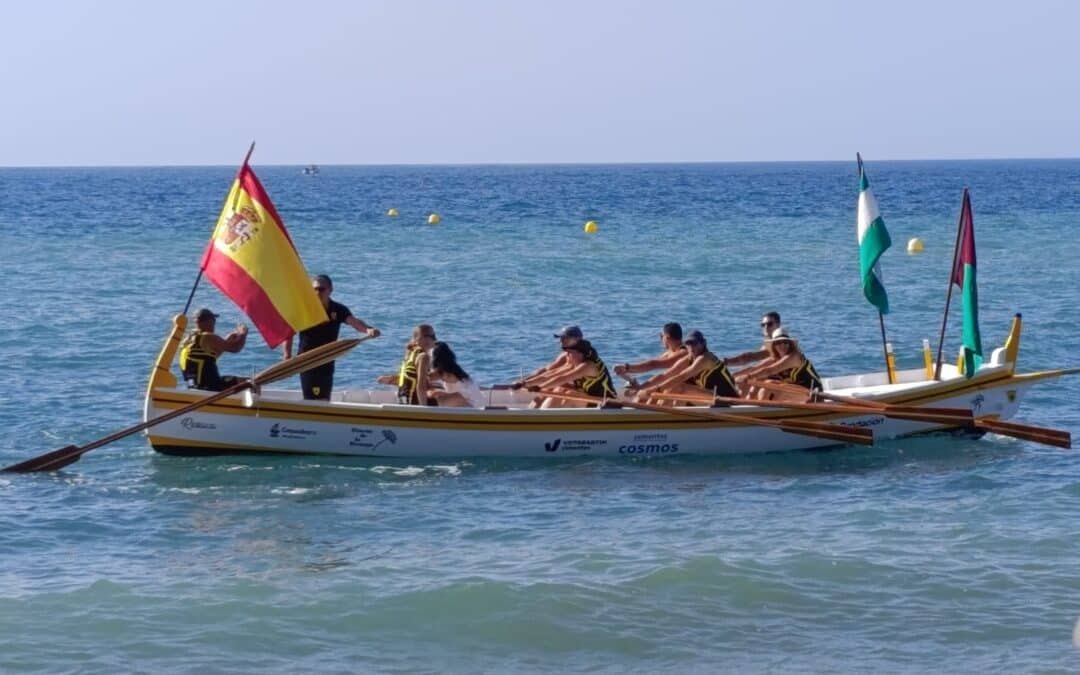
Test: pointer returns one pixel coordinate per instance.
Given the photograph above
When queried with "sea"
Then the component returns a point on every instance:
(925, 554)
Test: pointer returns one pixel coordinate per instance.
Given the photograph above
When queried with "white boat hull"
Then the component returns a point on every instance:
(278, 422)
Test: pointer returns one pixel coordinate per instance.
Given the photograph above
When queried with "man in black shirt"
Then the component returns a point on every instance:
(318, 383)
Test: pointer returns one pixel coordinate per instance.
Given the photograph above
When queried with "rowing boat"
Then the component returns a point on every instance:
(371, 422)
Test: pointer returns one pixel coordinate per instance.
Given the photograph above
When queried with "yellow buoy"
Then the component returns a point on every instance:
(915, 245)
(433, 219)
(591, 227)
(392, 213)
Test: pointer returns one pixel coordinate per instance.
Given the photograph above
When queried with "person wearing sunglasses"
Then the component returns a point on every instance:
(769, 322)
(201, 349)
(318, 383)
(788, 364)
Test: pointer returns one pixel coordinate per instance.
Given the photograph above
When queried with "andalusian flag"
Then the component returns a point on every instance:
(873, 240)
(963, 275)
(253, 261)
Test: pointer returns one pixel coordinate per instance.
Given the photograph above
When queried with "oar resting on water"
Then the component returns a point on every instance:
(831, 432)
(1025, 432)
(58, 459)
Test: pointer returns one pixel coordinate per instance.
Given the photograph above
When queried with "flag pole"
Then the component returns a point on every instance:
(198, 278)
(885, 348)
(881, 317)
(948, 296)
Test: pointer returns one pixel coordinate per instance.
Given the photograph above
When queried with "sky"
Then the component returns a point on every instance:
(468, 81)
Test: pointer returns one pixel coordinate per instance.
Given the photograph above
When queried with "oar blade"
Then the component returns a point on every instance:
(57, 459)
(1051, 437)
(834, 432)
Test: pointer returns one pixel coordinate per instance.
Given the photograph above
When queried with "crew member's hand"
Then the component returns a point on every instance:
(242, 329)
(373, 332)
(621, 368)
(387, 379)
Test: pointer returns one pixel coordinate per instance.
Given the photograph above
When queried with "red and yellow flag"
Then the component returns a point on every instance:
(252, 260)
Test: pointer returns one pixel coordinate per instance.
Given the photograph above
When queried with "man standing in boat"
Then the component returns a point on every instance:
(318, 383)
(201, 349)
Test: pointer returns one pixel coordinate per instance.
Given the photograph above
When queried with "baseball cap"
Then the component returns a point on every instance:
(204, 314)
(570, 332)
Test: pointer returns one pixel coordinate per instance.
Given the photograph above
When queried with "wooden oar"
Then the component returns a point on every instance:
(829, 431)
(70, 454)
(916, 415)
(963, 414)
(1025, 432)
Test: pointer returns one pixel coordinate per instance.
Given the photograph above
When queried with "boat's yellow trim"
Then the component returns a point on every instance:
(156, 441)
(1028, 378)
(161, 375)
(1012, 343)
(431, 418)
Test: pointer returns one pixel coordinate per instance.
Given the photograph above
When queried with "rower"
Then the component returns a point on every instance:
(567, 336)
(769, 322)
(584, 373)
(788, 364)
(671, 337)
(702, 370)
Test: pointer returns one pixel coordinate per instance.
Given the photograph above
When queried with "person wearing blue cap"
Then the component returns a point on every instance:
(568, 336)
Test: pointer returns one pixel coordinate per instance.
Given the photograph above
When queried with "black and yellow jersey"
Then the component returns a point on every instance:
(716, 378)
(804, 376)
(199, 363)
(596, 385)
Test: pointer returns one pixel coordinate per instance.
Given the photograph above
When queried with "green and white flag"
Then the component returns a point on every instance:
(873, 240)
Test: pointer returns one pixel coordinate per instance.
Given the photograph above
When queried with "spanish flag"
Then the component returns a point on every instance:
(252, 260)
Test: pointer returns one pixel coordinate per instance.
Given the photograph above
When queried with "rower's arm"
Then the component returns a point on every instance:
(770, 367)
(568, 375)
(685, 370)
(747, 357)
(662, 361)
(286, 349)
(559, 362)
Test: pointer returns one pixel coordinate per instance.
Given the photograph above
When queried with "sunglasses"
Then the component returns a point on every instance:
(320, 289)
(766, 324)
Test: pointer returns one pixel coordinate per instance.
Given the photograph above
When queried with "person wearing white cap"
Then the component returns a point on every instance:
(568, 336)
(201, 349)
(787, 364)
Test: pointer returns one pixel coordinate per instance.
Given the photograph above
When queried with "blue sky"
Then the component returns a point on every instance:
(461, 81)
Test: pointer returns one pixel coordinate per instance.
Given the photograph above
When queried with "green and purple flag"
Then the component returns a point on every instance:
(964, 276)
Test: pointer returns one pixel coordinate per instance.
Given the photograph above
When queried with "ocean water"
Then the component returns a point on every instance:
(944, 554)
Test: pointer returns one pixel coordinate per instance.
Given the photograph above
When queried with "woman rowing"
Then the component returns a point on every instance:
(787, 364)
(584, 373)
(700, 370)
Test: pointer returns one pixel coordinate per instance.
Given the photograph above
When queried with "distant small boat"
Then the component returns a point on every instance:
(310, 170)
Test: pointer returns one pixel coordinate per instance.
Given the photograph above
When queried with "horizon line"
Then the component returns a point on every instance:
(529, 163)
